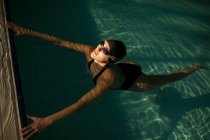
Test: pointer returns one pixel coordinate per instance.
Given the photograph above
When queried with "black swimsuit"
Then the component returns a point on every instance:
(130, 71)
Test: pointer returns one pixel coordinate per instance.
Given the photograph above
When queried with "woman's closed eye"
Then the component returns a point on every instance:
(103, 48)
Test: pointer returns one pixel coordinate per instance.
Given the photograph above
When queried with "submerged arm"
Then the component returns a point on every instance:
(40, 124)
(105, 82)
(68, 44)
(86, 99)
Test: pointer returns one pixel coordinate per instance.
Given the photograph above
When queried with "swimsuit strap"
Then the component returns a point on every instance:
(88, 66)
(99, 74)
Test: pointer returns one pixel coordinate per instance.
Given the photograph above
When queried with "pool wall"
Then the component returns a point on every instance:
(9, 114)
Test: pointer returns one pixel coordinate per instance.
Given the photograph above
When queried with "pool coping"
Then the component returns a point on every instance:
(12, 104)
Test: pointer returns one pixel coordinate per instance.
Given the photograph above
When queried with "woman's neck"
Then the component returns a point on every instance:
(102, 64)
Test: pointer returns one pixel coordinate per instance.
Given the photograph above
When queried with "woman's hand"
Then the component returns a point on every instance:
(38, 125)
(17, 29)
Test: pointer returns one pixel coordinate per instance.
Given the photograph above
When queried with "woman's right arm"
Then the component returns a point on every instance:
(39, 124)
(68, 44)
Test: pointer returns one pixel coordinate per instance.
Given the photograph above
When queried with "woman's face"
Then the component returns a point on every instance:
(101, 53)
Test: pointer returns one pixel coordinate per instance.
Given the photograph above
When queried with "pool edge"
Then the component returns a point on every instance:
(12, 105)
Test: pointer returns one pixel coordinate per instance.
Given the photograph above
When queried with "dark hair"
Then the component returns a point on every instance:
(117, 50)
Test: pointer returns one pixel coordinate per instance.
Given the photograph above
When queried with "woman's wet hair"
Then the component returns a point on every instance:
(117, 50)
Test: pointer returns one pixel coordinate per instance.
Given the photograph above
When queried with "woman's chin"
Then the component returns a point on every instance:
(93, 55)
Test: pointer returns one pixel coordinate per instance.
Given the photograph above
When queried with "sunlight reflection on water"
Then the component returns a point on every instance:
(163, 37)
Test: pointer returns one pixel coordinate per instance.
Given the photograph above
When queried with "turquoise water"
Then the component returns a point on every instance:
(163, 36)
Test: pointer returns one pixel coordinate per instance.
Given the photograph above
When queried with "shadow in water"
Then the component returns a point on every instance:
(174, 107)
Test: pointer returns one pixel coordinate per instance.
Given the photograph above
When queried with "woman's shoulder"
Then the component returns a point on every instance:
(113, 75)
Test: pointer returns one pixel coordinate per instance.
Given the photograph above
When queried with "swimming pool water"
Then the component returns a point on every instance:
(163, 36)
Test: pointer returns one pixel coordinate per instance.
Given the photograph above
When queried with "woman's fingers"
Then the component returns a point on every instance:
(38, 125)
(30, 135)
(27, 132)
(26, 128)
(15, 28)
(11, 25)
(31, 117)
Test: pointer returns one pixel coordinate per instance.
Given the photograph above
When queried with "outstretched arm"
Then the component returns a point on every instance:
(68, 44)
(86, 99)
(40, 124)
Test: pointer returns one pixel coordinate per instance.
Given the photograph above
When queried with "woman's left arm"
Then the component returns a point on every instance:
(82, 48)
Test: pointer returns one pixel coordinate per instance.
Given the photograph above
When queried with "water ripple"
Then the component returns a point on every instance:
(163, 37)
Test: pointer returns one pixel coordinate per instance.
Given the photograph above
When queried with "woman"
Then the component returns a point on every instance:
(106, 75)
